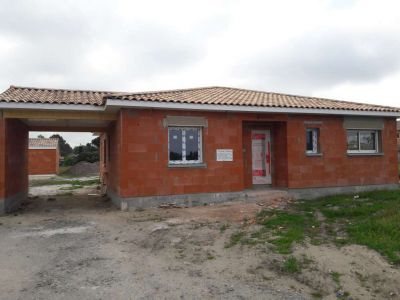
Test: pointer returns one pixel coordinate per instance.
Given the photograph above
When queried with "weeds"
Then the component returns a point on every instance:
(235, 239)
(224, 227)
(371, 219)
(336, 277)
(71, 182)
(291, 265)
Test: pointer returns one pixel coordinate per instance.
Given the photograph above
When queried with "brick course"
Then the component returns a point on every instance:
(139, 154)
(43, 161)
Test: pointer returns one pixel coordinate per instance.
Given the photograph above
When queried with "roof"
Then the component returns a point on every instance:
(206, 95)
(52, 96)
(43, 143)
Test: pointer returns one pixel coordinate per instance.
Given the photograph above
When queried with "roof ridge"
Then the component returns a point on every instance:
(165, 91)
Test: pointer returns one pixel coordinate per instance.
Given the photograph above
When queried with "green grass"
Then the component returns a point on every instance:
(336, 277)
(371, 219)
(235, 239)
(224, 227)
(71, 182)
(291, 265)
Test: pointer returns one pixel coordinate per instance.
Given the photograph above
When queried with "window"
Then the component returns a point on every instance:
(363, 141)
(184, 145)
(312, 141)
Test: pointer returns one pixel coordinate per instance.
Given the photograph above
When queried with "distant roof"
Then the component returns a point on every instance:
(206, 95)
(43, 143)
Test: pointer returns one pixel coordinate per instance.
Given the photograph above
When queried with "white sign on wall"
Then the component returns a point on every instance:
(224, 154)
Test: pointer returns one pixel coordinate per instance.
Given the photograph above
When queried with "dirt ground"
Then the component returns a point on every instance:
(81, 247)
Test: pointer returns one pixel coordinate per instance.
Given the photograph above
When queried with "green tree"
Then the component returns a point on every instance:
(65, 148)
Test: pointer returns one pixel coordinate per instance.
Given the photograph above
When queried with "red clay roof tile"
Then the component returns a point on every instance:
(205, 95)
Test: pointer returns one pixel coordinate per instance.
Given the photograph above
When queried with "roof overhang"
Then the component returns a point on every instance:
(116, 104)
(112, 105)
(47, 106)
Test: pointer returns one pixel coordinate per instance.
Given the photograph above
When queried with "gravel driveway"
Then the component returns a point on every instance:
(83, 248)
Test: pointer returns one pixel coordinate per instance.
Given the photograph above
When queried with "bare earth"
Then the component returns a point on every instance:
(81, 247)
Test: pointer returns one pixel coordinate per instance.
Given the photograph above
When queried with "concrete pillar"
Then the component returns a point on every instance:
(13, 164)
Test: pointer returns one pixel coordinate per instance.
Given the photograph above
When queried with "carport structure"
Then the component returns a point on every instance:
(30, 109)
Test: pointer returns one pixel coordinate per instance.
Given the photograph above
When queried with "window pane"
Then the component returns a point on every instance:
(309, 140)
(192, 144)
(367, 140)
(175, 144)
(352, 140)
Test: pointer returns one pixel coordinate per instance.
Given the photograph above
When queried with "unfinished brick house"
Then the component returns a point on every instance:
(206, 144)
(43, 156)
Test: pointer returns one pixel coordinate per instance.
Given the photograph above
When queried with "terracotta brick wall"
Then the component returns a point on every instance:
(144, 156)
(114, 157)
(139, 154)
(13, 157)
(335, 167)
(43, 161)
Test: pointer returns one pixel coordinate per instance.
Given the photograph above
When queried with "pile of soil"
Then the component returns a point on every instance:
(84, 168)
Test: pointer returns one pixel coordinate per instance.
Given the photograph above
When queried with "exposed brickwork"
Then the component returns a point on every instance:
(144, 153)
(335, 167)
(16, 157)
(139, 154)
(43, 161)
(112, 174)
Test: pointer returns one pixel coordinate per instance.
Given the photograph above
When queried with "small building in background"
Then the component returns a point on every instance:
(44, 156)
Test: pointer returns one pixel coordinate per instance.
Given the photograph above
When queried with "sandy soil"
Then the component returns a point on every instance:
(81, 247)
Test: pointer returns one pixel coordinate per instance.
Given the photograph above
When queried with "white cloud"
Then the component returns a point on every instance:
(334, 48)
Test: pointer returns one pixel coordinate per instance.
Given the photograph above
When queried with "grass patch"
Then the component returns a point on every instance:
(76, 182)
(336, 277)
(371, 219)
(224, 227)
(235, 239)
(291, 265)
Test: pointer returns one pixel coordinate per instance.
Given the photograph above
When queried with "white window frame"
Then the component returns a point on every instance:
(315, 136)
(200, 145)
(377, 139)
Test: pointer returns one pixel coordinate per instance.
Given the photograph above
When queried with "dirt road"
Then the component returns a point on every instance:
(83, 248)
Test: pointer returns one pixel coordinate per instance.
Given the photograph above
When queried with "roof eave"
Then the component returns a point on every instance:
(51, 106)
(116, 103)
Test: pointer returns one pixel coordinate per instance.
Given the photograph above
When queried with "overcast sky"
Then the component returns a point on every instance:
(340, 49)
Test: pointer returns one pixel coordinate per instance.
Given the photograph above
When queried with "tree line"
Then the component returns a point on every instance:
(88, 152)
